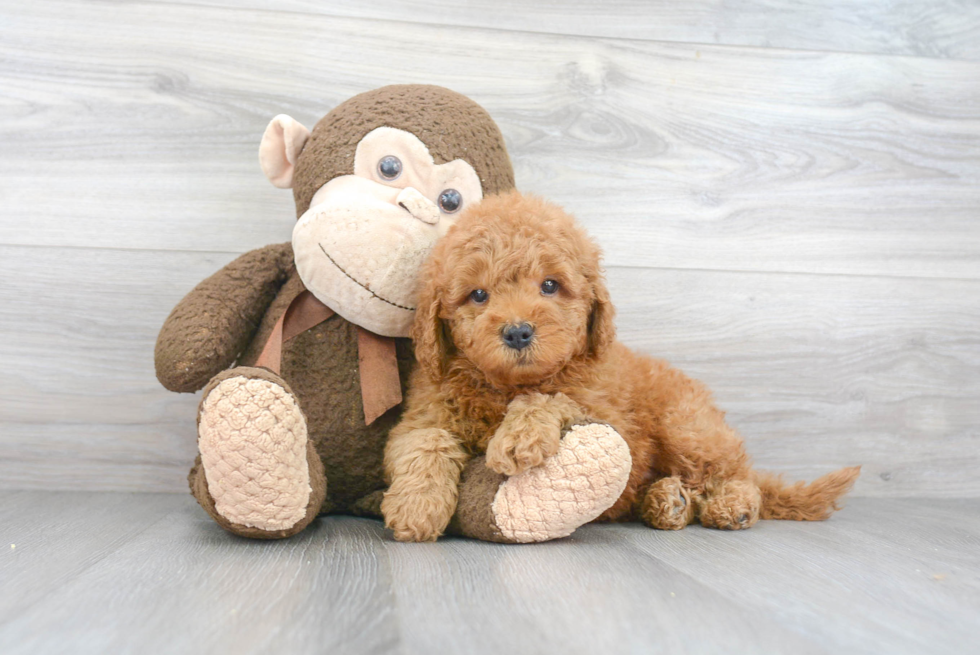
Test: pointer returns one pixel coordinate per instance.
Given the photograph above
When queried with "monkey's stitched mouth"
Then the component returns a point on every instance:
(354, 280)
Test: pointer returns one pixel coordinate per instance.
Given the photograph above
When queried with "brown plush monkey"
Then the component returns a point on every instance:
(315, 328)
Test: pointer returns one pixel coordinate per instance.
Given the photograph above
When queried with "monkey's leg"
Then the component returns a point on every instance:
(577, 484)
(257, 474)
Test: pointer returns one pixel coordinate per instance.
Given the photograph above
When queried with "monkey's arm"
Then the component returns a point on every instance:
(214, 323)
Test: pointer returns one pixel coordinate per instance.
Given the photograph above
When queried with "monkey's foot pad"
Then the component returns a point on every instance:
(577, 484)
(252, 438)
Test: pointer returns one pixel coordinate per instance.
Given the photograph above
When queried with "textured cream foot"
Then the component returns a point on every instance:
(252, 438)
(569, 489)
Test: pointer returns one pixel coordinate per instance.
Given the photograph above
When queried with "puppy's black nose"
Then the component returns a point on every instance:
(518, 337)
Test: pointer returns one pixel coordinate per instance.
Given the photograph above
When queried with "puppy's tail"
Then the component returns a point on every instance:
(804, 502)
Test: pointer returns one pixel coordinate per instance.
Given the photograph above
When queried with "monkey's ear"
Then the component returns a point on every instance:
(282, 142)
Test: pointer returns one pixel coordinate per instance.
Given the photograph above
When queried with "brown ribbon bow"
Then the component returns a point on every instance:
(381, 388)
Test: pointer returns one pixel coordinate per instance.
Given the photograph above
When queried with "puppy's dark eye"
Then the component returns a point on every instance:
(450, 200)
(390, 167)
(479, 296)
(549, 287)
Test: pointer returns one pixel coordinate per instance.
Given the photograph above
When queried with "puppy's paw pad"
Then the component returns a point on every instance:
(668, 505)
(735, 506)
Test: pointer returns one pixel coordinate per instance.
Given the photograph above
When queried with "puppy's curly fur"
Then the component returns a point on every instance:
(474, 393)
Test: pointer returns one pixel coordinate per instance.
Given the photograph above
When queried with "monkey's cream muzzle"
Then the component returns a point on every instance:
(360, 246)
(359, 249)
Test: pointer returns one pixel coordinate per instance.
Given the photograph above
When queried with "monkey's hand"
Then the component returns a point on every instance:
(208, 330)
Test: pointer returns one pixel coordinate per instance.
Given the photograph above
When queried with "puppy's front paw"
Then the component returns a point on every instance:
(517, 446)
(417, 515)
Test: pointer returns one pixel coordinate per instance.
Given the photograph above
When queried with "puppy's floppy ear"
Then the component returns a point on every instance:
(602, 327)
(433, 344)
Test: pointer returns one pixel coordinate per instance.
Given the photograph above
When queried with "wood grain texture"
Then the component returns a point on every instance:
(816, 371)
(676, 156)
(577, 595)
(81, 407)
(185, 586)
(945, 28)
(49, 538)
(798, 229)
(896, 576)
(875, 576)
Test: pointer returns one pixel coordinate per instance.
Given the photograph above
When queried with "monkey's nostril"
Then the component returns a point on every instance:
(518, 337)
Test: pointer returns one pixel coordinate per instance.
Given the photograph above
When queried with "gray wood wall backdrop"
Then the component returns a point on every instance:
(788, 195)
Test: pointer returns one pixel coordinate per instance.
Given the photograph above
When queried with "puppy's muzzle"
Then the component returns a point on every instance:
(517, 337)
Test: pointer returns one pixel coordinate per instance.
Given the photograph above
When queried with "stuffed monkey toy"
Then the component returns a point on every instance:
(314, 331)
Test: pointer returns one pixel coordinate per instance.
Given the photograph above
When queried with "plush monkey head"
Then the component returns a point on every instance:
(377, 182)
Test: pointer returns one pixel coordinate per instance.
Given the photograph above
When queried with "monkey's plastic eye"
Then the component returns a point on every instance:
(479, 296)
(549, 287)
(390, 167)
(450, 200)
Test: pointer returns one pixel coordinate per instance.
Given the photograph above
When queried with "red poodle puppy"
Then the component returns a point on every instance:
(514, 315)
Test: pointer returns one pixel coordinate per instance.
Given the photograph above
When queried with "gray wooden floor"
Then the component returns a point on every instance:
(150, 573)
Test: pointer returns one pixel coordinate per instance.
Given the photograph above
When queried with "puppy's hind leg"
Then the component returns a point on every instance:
(731, 505)
(669, 505)
(704, 452)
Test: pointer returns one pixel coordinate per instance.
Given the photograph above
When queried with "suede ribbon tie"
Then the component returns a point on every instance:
(381, 388)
